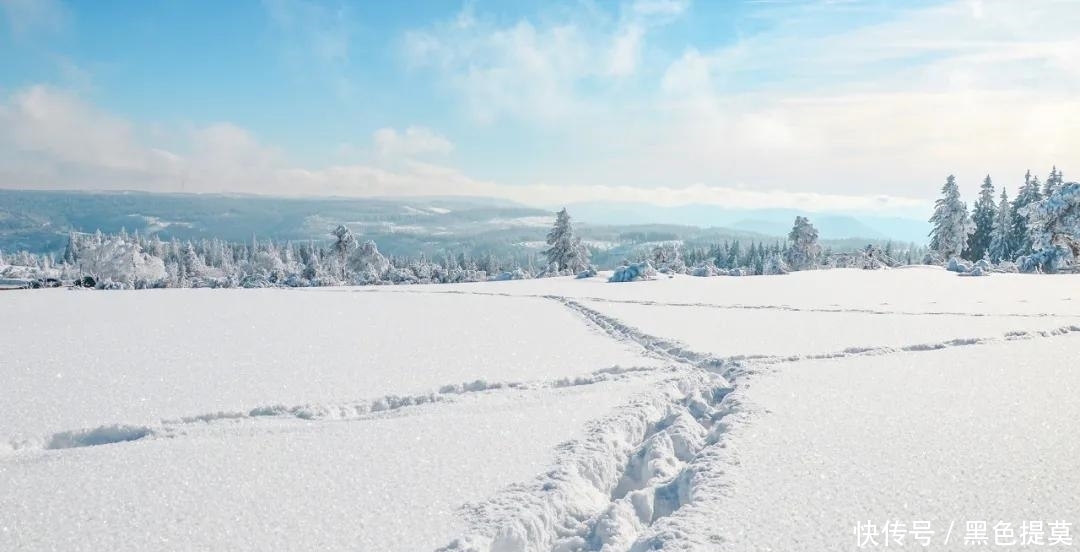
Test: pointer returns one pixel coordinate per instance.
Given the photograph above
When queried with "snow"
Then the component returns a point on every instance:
(787, 333)
(975, 433)
(916, 289)
(143, 356)
(391, 482)
(561, 414)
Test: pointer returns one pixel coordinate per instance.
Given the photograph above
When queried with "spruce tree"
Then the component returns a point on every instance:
(950, 221)
(1019, 240)
(1000, 246)
(1053, 182)
(804, 250)
(564, 249)
(982, 216)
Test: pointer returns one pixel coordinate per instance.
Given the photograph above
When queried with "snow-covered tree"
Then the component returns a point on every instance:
(951, 225)
(804, 250)
(113, 262)
(774, 264)
(667, 257)
(982, 216)
(71, 252)
(1019, 237)
(565, 250)
(1054, 224)
(1053, 181)
(1000, 247)
(344, 245)
(367, 264)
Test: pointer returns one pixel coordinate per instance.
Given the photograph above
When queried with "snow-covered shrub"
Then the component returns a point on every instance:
(587, 273)
(552, 271)
(516, 274)
(402, 276)
(667, 258)
(634, 272)
(963, 268)
(1006, 267)
(252, 281)
(116, 263)
(775, 265)
(957, 264)
(705, 270)
(369, 262)
(975, 271)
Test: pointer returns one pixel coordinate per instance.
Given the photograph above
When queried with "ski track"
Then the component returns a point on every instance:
(785, 308)
(358, 410)
(644, 477)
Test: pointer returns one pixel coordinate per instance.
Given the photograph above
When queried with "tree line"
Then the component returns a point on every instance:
(1037, 230)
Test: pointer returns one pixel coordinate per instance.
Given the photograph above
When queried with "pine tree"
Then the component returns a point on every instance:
(982, 216)
(1054, 230)
(344, 246)
(1000, 247)
(950, 221)
(564, 249)
(1053, 182)
(804, 250)
(1019, 238)
(71, 252)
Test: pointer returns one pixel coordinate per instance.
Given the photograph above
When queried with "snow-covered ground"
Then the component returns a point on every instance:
(687, 413)
(82, 359)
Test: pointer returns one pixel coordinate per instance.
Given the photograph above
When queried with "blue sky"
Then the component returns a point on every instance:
(827, 105)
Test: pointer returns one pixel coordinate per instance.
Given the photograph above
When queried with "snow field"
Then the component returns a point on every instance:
(391, 481)
(949, 436)
(914, 289)
(769, 334)
(674, 414)
(85, 359)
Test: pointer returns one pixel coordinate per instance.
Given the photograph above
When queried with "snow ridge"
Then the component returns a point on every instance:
(122, 433)
(624, 461)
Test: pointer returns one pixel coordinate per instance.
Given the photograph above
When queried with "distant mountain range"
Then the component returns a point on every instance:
(770, 222)
(39, 221)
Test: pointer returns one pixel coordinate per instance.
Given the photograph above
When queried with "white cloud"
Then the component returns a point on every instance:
(519, 71)
(49, 122)
(413, 141)
(626, 51)
(53, 140)
(882, 108)
(537, 70)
